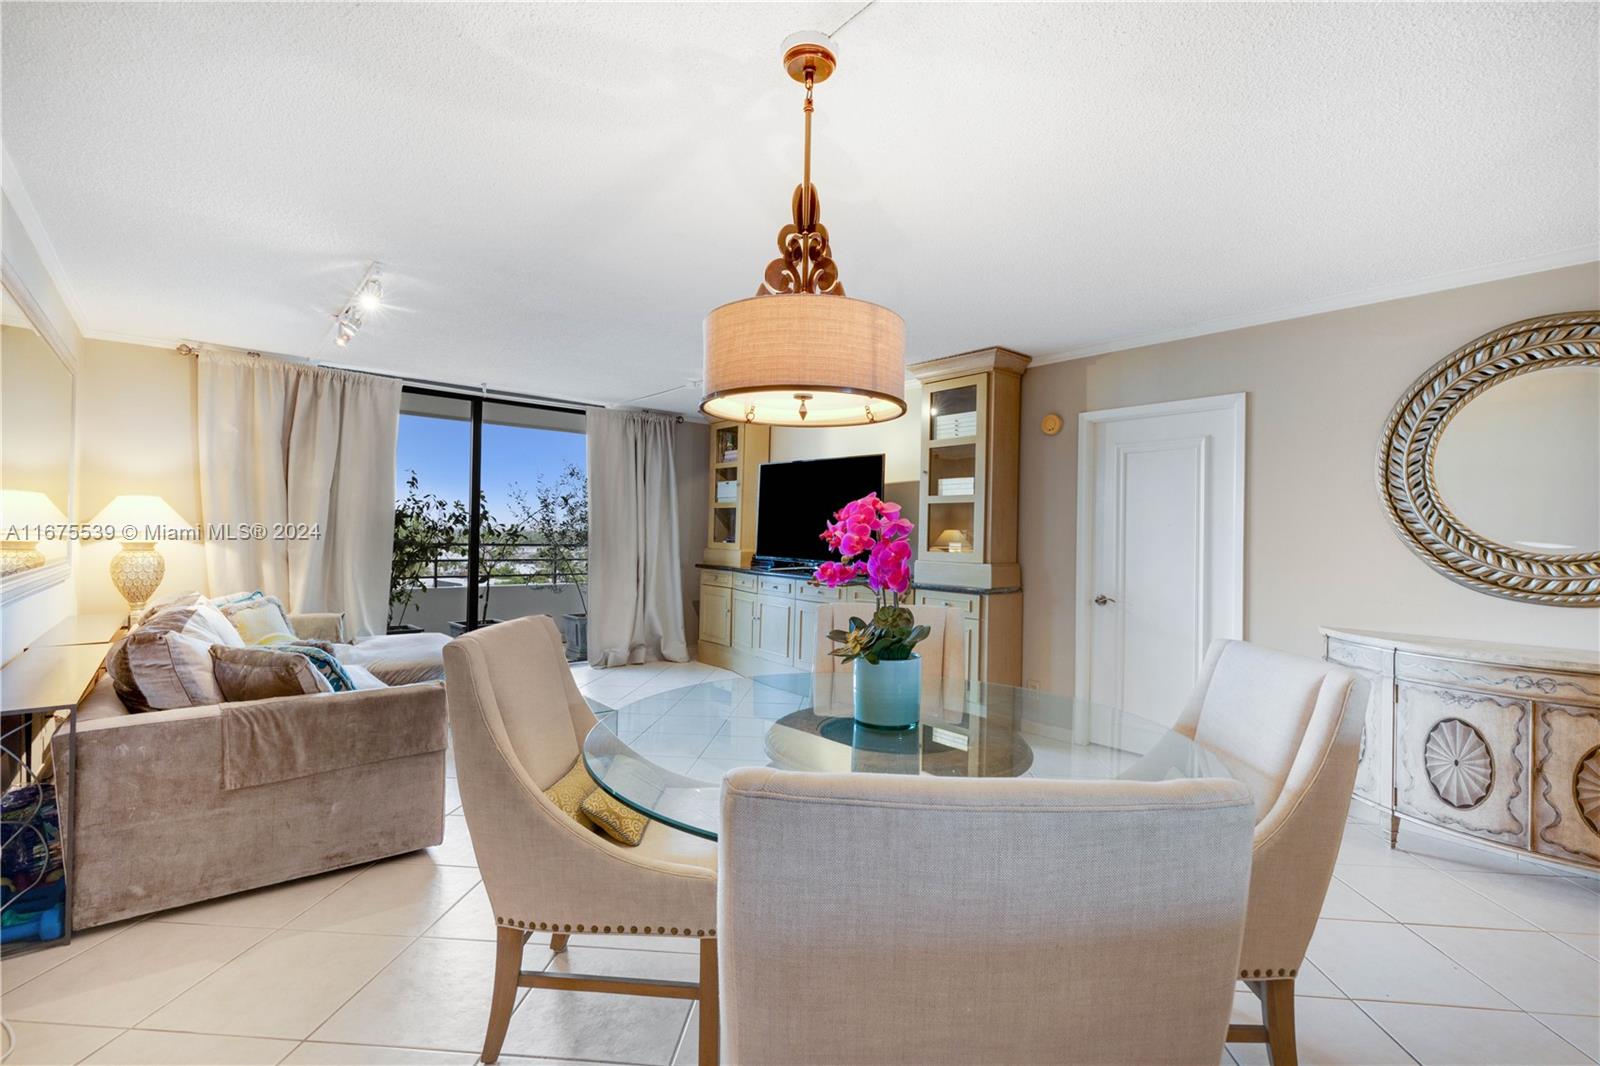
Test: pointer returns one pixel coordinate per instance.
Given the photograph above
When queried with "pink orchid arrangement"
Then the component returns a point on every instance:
(874, 542)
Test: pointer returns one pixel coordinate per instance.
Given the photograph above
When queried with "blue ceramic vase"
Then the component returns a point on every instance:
(888, 693)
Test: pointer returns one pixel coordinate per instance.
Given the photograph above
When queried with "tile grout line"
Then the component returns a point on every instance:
(1393, 1039)
(1559, 1035)
(1433, 947)
(1485, 980)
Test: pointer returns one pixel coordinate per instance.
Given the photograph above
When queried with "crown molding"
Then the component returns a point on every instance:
(16, 191)
(1456, 279)
(114, 337)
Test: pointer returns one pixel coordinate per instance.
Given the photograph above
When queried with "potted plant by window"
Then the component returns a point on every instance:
(498, 544)
(557, 519)
(874, 543)
(422, 530)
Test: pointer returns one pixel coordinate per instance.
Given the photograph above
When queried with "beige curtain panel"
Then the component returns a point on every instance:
(635, 580)
(309, 452)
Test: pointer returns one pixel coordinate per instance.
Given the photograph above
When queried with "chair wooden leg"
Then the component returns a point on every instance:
(710, 1017)
(558, 942)
(1277, 1011)
(507, 971)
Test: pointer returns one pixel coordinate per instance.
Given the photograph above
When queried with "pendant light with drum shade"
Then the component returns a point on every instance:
(800, 352)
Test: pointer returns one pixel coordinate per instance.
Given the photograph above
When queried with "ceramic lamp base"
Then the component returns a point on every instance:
(888, 694)
(137, 571)
(19, 555)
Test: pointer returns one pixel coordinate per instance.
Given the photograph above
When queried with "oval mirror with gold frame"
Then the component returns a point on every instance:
(1409, 487)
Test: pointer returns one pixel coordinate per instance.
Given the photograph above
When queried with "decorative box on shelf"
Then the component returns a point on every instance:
(727, 492)
(955, 486)
(948, 427)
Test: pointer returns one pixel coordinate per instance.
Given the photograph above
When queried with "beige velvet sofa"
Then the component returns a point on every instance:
(166, 808)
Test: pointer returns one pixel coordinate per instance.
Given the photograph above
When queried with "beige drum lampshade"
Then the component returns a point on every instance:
(804, 359)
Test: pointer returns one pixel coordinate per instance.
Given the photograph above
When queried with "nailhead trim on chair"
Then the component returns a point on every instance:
(1250, 974)
(560, 927)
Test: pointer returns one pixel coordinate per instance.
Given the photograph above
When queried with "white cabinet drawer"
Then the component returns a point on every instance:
(777, 586)
(746, 582)
(965, 602)
(805, 590)
(719, 578)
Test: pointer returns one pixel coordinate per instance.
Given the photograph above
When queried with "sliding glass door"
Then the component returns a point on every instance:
(491, 514)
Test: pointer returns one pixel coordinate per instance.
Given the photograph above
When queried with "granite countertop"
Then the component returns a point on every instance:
(805, 575)
(1576, 660)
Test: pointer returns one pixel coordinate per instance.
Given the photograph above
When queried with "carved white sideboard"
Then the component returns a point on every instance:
(1497, 742)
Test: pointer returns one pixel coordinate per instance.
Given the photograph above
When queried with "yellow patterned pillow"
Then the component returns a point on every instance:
(619, 822)
(570, 792)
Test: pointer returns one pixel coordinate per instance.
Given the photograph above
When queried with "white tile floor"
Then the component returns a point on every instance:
(1435, 953)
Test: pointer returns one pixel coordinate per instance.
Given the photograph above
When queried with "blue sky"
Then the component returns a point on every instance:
(440, 451)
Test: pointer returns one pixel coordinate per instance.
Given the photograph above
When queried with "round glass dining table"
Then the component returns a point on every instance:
(664, 754)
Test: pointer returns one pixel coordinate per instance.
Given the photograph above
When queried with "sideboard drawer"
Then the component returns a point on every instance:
(720, 578)
(1360, 656)
(805, 590)
(1523, 683)
(966, 603)
(746, 582)
(777, 586)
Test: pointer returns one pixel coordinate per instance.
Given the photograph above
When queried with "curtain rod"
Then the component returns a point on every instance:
(453, 387)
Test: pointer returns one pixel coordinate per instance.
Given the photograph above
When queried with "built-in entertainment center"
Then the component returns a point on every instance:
(758, 604)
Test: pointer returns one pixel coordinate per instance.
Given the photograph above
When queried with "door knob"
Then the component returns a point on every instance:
(1102, 599)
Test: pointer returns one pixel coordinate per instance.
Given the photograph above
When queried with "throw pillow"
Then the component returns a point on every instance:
(264, 673)
(181, 599)
(260, 619)
(617, 820)
(198, 621)
(570, 792)
(325, 662)
(167, 670)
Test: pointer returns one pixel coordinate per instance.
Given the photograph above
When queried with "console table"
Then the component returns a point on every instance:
(47, 681)
(1496, 742)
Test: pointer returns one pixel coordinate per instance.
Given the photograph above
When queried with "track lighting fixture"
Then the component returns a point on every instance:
(368, 297)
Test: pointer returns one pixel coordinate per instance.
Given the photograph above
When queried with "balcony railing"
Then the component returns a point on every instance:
(506, 563)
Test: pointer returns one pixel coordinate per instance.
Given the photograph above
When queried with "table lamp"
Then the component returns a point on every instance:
(138, 568)
(21, 513)
(952, 540)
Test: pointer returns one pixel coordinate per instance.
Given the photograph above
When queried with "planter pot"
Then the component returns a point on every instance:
(888, 694)
(575, 632)
(406, 628)
(458, 628)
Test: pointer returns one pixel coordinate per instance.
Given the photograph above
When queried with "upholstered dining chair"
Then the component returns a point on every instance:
(941, 650)
(517, 721)
(868, 918)
(1286, 722)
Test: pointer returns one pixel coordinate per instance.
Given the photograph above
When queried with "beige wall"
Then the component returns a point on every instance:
(899, 441)
(136, 434)
(1318, 549)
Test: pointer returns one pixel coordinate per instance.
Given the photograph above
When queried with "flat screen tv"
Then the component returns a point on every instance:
(796, 500)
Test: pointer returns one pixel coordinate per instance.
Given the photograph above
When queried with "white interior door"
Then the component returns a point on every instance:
(1160, 548)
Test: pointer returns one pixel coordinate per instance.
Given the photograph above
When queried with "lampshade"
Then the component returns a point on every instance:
(149, 516)
(804, 359)
(21, 515)
(952, 540)
(25, 511)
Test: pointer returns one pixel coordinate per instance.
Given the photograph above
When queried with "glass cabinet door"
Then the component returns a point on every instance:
(953, 432)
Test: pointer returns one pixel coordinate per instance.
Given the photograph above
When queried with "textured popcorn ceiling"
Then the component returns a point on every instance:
(562, 192)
